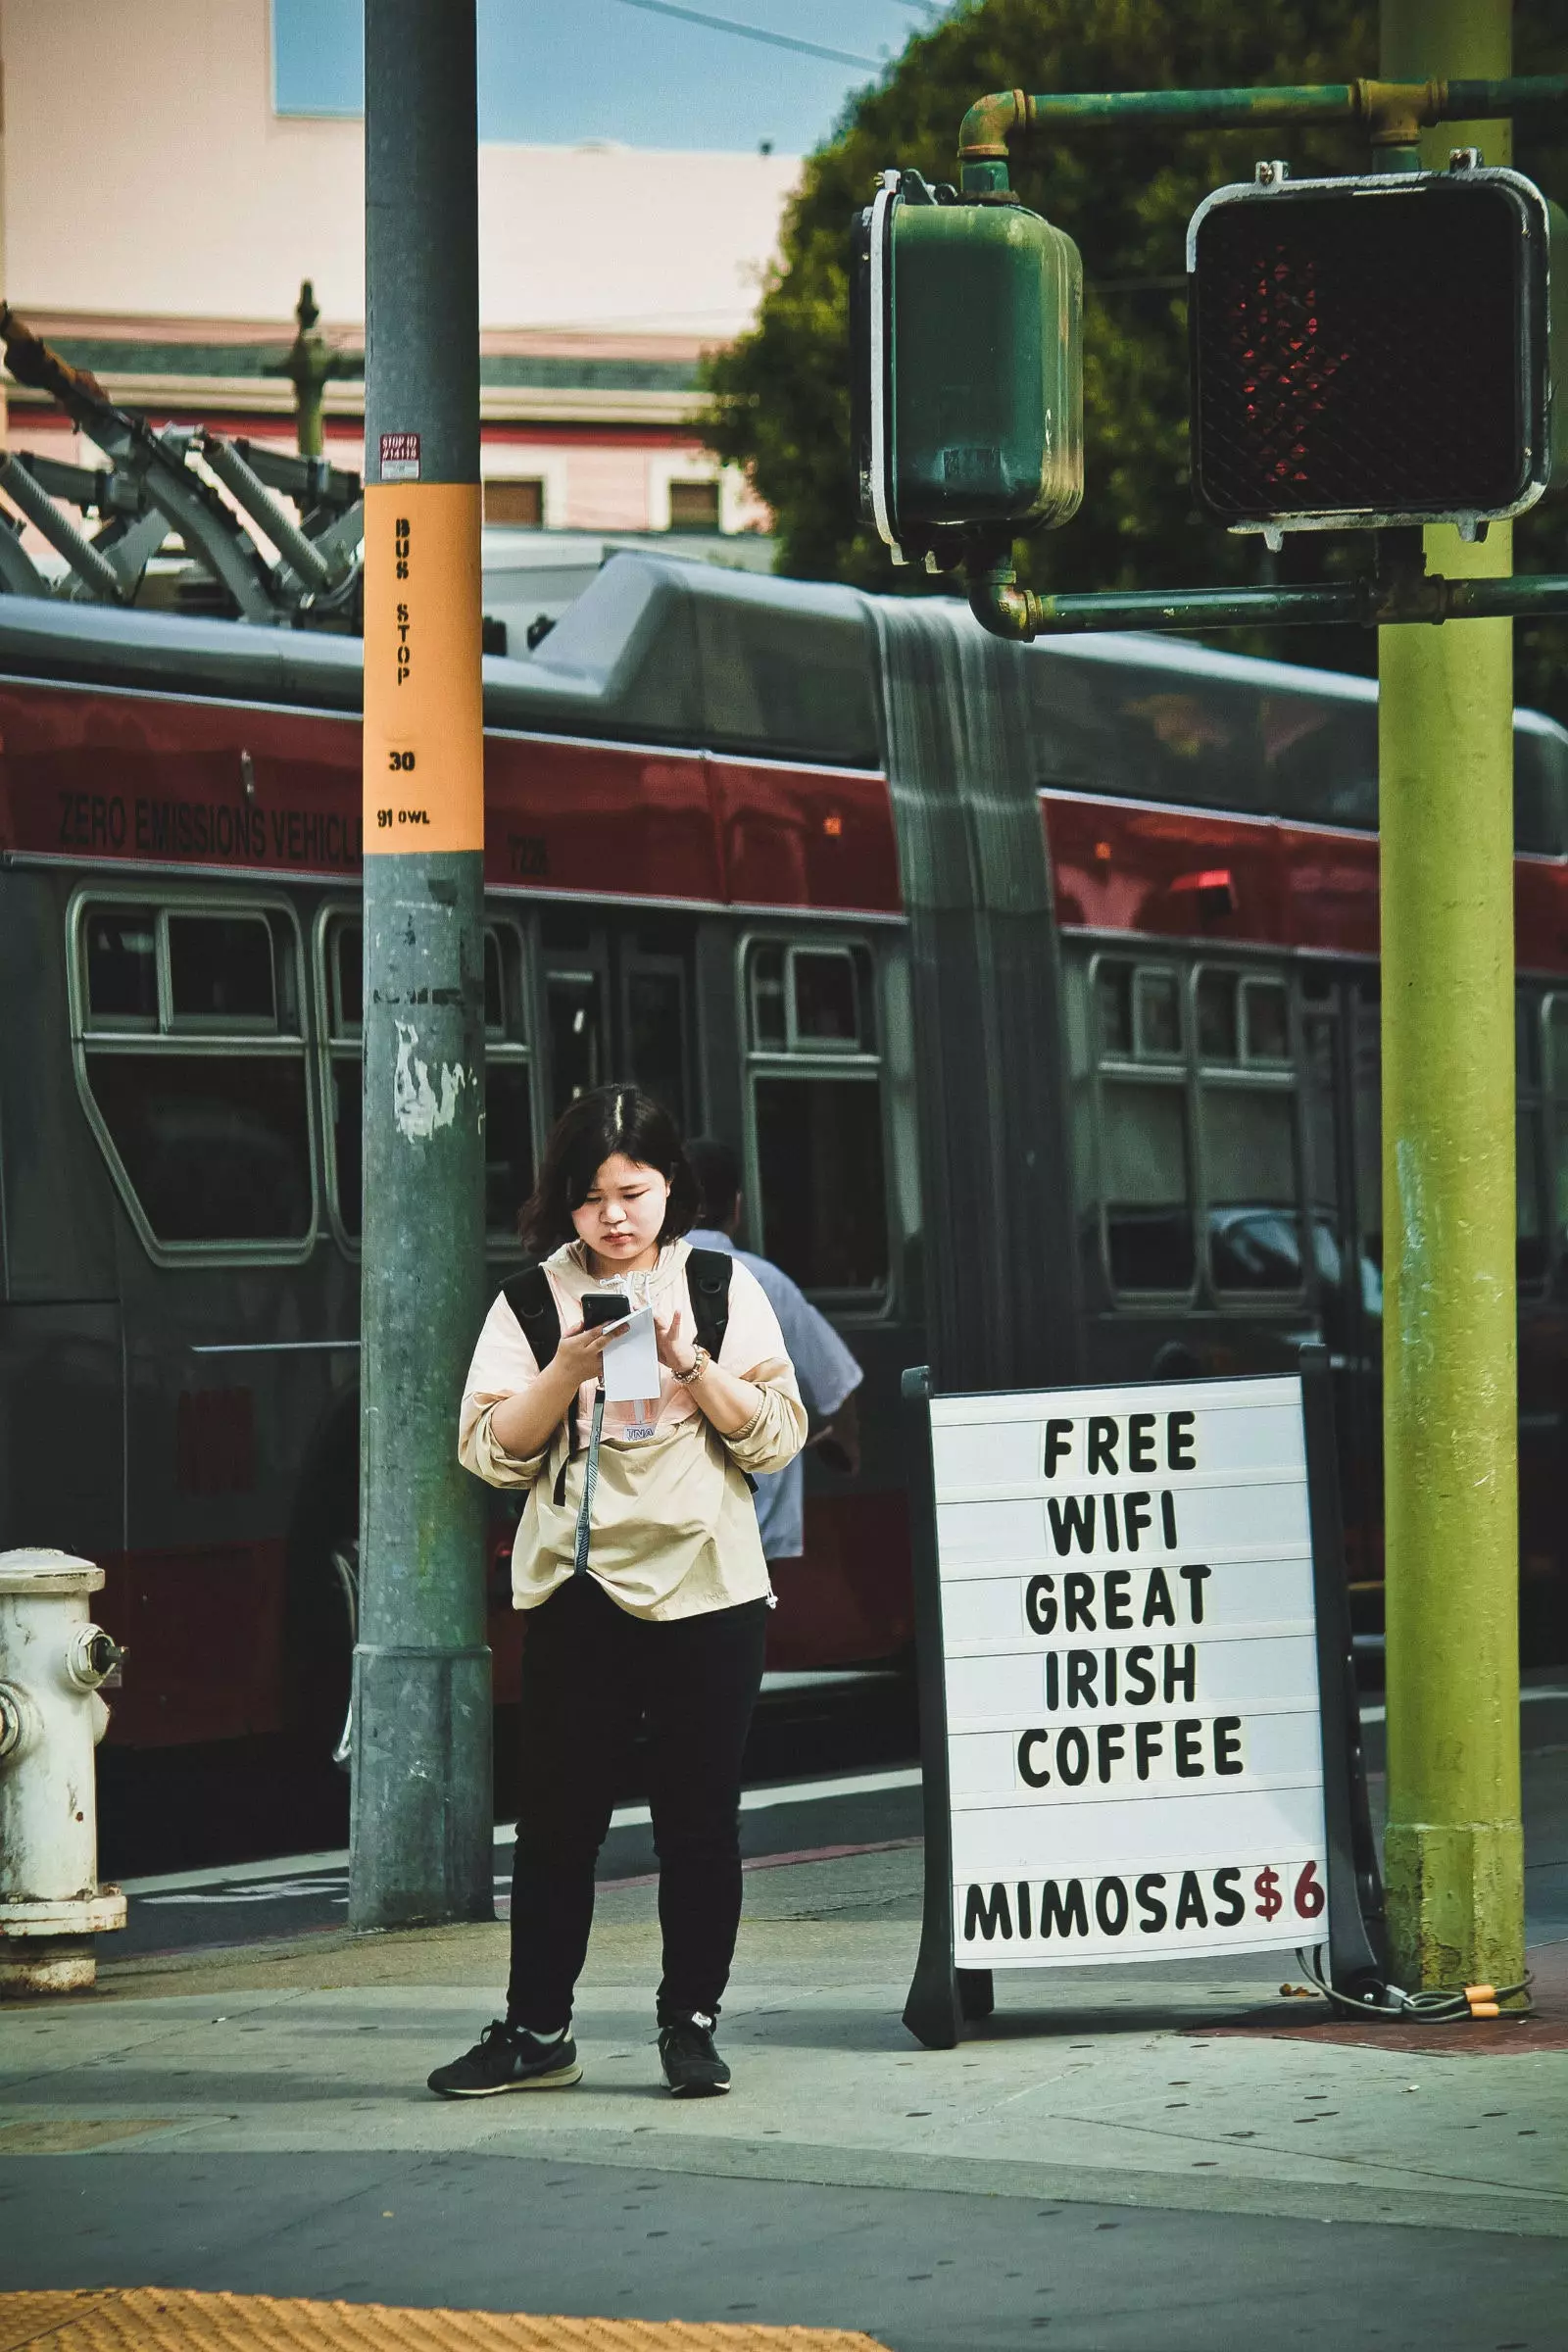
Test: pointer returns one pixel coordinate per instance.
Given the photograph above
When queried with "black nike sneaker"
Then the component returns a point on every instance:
(506, 2058)
(693, 2068)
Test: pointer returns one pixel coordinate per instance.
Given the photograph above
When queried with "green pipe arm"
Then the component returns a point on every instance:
(1005, 609)
(1393, 110)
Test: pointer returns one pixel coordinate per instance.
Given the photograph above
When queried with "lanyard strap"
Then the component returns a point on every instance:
(589, 1480)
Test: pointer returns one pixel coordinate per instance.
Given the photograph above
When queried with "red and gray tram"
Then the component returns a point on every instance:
(1037, 985)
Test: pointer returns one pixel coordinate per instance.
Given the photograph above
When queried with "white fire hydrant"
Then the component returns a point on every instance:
(52, 1661)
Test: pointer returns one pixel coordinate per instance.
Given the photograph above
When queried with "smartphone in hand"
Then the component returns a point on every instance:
(598, 1307)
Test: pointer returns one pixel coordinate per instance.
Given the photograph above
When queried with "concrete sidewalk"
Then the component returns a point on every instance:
(258, 2122)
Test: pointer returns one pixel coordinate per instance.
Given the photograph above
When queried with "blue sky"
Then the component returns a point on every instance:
(555, 72)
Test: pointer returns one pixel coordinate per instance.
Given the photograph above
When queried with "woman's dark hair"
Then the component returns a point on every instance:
(612, 1119)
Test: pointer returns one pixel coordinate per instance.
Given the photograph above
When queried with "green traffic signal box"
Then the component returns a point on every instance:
(968, 370)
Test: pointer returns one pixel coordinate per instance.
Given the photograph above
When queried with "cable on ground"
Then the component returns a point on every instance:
(1442, 2005)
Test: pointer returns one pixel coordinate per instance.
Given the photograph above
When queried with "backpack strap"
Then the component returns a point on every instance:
(707, 1273)
(533, 1303)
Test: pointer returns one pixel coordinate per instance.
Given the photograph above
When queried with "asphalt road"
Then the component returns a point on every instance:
(921, 2271)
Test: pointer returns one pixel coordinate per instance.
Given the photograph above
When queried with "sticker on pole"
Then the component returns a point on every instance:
(1137, 1600)
(400, 457)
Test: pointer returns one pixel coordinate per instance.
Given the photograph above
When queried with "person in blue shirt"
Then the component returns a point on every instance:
(827, 1373)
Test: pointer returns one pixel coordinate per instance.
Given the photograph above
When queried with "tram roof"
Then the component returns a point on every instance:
(662, 651)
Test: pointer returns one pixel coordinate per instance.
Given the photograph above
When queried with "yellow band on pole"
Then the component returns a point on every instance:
(423, 706)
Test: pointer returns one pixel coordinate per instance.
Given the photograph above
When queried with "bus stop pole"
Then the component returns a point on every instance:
(1454, 1849)
(421, 1827)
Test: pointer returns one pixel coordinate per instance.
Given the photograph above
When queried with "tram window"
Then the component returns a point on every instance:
(509, 1123)
(824, 1207)
(348, 979)
(1113, 1009)
(825, 1006)
(769, 1030)
(576, 1035)
(1557, 1081)
(1249, 1172)
(1267, 1023)
(348, 1139)
(216, 1146)
(1138, 1012)
(656, 1034)
(1317, 1032)
(1527, 1042)
(1532, 1250)
(1366, 1070)
(1219, 1036)
(221, 971)
(1158, 1017)
(495, 1007)
(123, 965)
(1558, 1045)
(508, 1144)
(205, 1113)
(1143, 1186)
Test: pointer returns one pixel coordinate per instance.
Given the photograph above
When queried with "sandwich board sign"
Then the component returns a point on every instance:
(1140, 1738)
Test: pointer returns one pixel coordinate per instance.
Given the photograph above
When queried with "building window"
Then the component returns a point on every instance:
(693, 506)
(515, 499)
(191, 1060)
(508, 1074)
(818, 1176)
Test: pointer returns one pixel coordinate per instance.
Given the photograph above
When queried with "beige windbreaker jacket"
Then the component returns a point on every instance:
(674, 1527)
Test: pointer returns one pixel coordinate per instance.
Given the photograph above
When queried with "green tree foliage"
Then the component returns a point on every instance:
(780, 404)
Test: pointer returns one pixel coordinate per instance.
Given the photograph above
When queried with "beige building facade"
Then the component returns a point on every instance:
(159, 217)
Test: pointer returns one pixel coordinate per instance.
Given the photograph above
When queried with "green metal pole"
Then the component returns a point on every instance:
(421, 1823)
(1453, 1851)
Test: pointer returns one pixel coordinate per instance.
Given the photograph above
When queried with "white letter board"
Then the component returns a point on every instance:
(1130, 1659)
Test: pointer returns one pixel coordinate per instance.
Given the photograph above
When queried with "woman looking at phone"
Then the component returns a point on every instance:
(638, 1561)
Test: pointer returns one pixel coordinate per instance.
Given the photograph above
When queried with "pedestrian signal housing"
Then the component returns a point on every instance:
(1369, 352)
(968, 320)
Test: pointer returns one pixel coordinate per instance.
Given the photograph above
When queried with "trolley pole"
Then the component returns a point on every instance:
(422, 1810)
(1455, 1850)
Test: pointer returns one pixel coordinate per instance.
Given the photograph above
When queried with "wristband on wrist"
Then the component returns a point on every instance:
(694, 1372)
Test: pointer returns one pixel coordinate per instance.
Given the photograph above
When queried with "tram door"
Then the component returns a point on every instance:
(618, 996)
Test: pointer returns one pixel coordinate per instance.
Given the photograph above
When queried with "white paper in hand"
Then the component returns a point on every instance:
(631, 1362)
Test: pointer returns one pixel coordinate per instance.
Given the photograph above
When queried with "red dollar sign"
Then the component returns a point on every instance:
(1267, 1888)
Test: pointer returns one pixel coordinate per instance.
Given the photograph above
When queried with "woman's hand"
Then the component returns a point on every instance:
(580, 1353)
(675, 1351)
(526, 1423)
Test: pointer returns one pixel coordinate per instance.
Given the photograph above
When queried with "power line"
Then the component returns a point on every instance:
(752, 33)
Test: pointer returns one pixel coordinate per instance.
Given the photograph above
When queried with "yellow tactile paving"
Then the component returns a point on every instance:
(27, 2318)
(160, 2319)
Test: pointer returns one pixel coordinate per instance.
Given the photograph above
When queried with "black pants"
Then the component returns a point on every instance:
(590, 1673)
